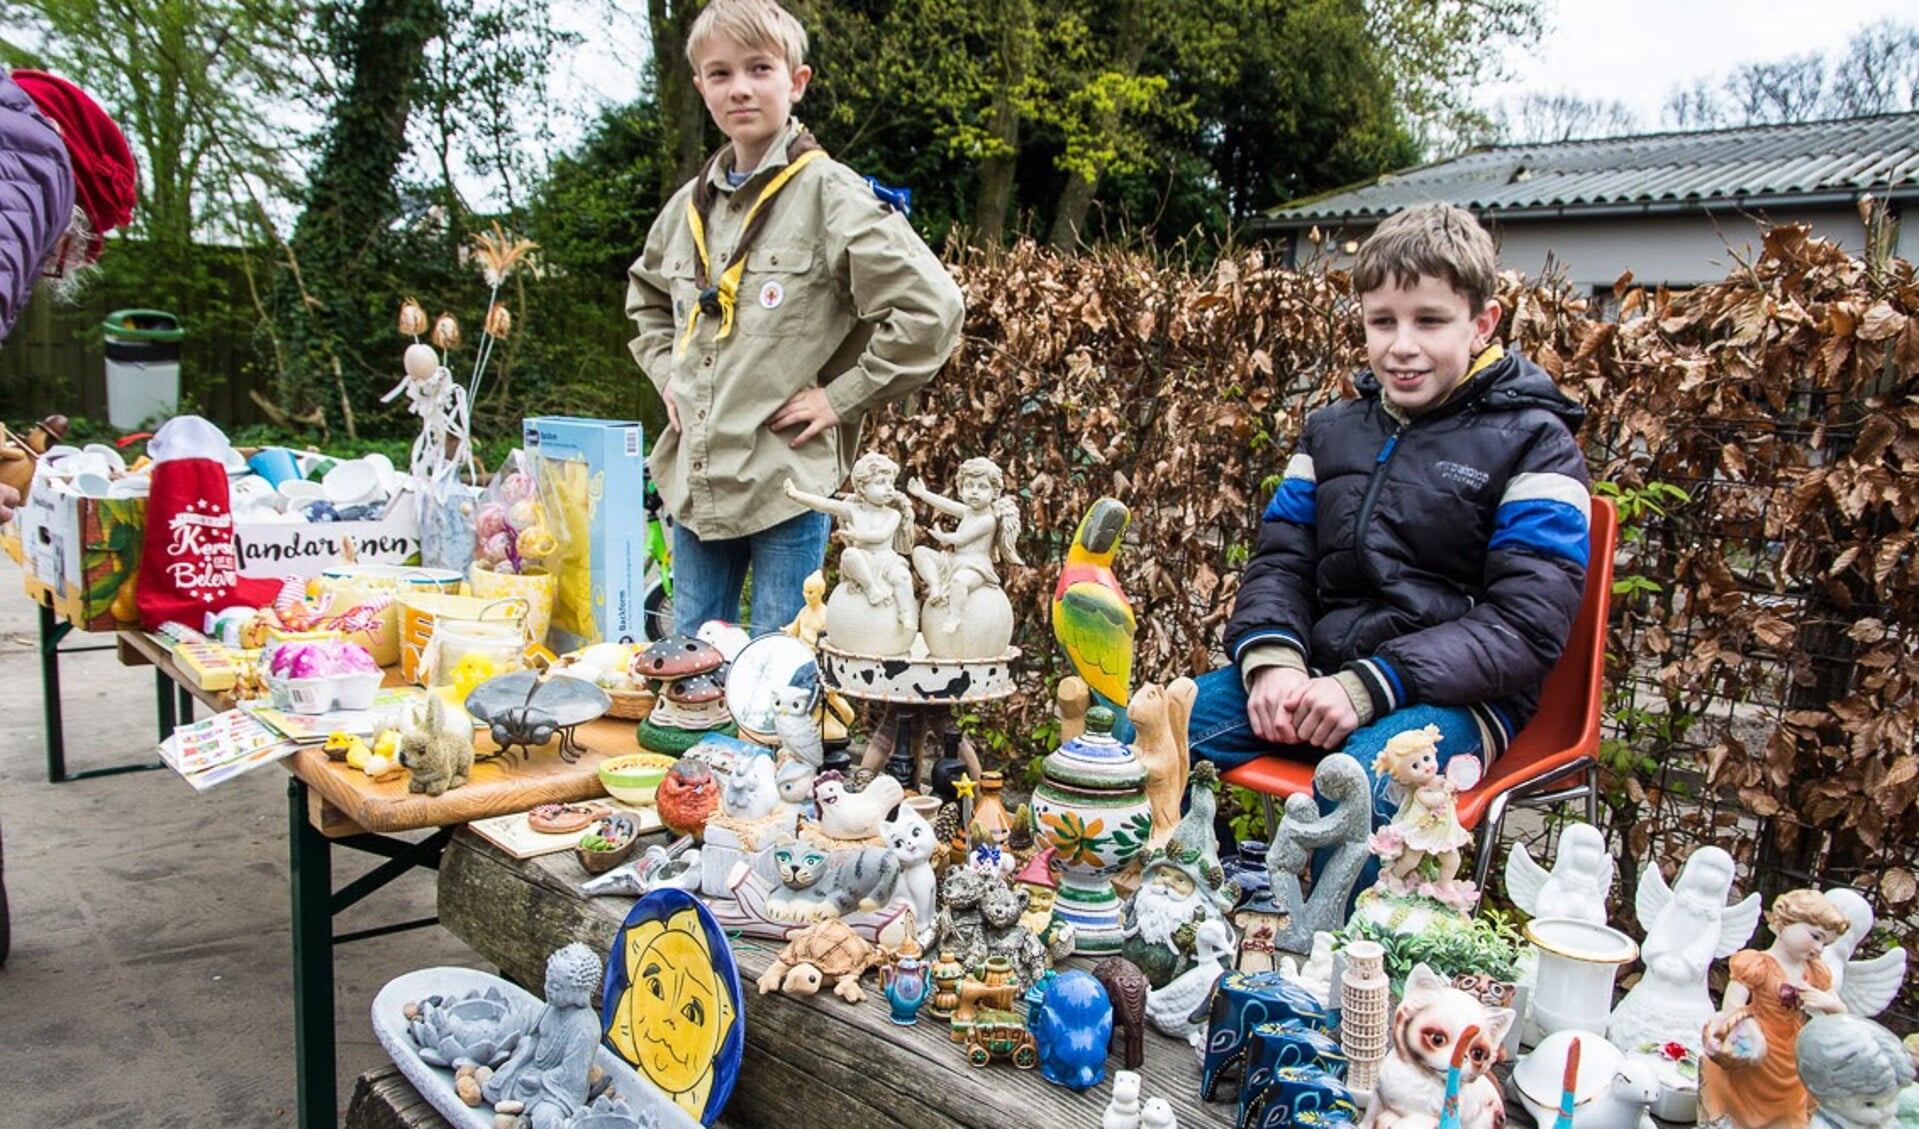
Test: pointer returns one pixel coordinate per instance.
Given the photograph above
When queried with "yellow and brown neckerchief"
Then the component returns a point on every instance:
(717, 299)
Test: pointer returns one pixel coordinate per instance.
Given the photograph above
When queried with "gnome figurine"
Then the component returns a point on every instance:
(1181, 886)
(1042, 887)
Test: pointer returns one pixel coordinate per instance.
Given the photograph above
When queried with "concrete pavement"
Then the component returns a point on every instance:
(150, 979)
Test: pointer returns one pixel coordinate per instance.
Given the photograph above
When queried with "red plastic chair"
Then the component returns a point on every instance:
(1553, 759)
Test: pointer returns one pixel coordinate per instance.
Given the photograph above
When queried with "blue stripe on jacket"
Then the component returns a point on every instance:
(1294, 501)
(1544, 527)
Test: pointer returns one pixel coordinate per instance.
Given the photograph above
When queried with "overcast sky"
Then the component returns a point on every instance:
(1636, 51)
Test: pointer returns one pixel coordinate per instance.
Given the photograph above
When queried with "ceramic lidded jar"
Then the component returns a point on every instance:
(1091, 805)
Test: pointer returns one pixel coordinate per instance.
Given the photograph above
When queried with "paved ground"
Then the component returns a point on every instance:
(150, 979)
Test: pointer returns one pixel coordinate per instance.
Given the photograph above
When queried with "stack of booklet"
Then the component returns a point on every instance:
(228, 744)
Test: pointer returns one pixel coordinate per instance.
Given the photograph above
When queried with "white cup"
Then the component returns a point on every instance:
(296, 490)
(93, 484)
(116, 462)
(350, 482)
(132, 486)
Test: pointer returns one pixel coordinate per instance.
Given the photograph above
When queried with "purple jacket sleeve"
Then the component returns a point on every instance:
(36, 197)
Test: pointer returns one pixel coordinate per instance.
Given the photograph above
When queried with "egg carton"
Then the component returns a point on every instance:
(324, 695)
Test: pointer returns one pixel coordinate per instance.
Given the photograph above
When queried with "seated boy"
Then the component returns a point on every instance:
(777, 301)
(1424, 556)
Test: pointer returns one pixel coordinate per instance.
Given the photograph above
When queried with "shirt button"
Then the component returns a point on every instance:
(698, 465)
(706, 361)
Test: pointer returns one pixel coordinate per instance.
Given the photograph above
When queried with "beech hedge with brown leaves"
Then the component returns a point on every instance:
(1764, 634)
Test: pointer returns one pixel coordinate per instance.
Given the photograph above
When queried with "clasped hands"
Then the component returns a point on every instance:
(1288, 706)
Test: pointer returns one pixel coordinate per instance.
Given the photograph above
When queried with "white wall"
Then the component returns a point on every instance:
(1677, 250)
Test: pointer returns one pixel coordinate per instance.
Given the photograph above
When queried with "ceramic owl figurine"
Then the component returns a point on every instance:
(796, 721)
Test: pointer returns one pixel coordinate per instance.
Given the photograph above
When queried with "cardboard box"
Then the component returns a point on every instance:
(83, 554)
(595, 470)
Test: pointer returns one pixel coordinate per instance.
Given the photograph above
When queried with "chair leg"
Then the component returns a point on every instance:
(1592, 794)
(1489, 838)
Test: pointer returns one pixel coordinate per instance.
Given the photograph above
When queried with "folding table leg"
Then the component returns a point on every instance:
(310, 868)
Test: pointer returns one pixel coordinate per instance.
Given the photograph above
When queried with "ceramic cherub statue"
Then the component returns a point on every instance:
(1782, 984)
(1687, 927)
(1577, 885)
(1866, 986)
(545, 1081)
(967, 615)
(1854, 1069)
(876, 526)
(1427, 823)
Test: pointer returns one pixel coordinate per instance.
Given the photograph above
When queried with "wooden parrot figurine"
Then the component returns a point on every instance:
(1091, 617)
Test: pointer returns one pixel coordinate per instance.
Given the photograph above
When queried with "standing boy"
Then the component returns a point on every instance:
(777, 301)
(1424, 556)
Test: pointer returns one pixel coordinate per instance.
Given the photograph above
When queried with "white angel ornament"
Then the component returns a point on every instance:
(1578, 884)
(966, 614)
(1687, 927)
(1865, 986)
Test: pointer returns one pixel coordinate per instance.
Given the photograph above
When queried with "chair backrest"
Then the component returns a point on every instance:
(1571, 705)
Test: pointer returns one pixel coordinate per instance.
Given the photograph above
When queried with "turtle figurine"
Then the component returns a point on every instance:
(825, 953)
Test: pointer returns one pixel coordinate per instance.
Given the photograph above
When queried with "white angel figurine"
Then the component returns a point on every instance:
(1865, 986)
(1687, 927)
(1578, 884)
(965, 567)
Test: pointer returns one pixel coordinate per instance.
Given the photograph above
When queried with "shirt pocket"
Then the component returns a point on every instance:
(779, 290)
(680, 270)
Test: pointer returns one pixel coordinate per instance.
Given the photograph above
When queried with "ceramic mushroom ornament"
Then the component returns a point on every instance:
(682, 671)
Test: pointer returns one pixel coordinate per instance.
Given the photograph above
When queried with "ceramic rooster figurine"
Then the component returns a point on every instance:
(1091, 616)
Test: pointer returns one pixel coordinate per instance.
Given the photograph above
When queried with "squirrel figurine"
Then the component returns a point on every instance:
(439, 756)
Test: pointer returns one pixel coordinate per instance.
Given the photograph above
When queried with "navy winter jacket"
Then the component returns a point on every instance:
(1441, 559)
(36, 196)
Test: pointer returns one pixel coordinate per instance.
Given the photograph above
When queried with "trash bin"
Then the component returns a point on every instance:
(143, 366)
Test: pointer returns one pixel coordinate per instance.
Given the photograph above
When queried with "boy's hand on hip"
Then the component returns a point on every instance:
(1322, 713)
(1265, 703)
(672, 412)
(809, 410)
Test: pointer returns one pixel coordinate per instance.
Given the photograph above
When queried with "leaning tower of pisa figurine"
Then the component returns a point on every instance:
(1363, 1004)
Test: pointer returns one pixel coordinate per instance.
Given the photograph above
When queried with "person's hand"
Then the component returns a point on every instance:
(1265, 703)
(1322, 713)
(915, 487)
(809, 410)
(672, 410)
(9, 499)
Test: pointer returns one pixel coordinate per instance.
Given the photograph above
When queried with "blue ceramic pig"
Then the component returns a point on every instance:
(1072, 1027)
(1241, 1002)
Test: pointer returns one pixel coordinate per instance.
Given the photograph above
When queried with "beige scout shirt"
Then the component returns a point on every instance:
(838, 291)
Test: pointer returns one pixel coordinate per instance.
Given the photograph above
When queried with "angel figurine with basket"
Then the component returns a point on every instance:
(1427, 824)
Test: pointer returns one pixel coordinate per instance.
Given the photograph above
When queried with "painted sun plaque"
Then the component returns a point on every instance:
(673, 1005)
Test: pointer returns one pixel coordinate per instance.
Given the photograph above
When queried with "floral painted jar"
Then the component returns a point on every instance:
(1091, 805)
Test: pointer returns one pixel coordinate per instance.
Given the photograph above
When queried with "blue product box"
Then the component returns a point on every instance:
(594, 472)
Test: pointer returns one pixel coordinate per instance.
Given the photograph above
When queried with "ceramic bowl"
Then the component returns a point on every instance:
(614, 828)
(634, 777)
(114, 459)
(349, 482)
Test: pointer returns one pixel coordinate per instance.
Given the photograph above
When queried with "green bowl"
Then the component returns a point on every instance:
(634, 777)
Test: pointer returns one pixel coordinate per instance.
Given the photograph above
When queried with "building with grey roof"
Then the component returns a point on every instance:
(1674, 208)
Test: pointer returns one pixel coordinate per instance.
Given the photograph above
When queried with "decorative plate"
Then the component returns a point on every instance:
(673, 1005)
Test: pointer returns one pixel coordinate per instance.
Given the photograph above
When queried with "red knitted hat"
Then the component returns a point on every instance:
(104, 175)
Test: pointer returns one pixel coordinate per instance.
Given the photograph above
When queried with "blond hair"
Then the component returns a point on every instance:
(1403, 746)
(1807, 907)
(1440, 241)
(758, 24)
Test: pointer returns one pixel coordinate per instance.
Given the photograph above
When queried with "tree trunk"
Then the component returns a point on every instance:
(1013, 28)
(1077, 199)
(351, 197)
(681, 109)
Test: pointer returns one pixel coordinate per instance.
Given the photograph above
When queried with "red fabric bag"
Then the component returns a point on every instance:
(188, 566)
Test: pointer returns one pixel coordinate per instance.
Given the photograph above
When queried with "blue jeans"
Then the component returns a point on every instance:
(708, 576)
(1220, 732)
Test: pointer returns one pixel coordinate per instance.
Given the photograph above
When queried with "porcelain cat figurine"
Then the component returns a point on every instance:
(913, 843)
(1411, 1090)
(819, 884)
(439, 756)
(796, 721)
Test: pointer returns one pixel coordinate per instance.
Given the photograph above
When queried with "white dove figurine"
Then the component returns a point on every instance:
(1687, 927)
(1578, 884)
(1866, 987)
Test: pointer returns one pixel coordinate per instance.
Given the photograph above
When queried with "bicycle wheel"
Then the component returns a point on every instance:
(656, 613)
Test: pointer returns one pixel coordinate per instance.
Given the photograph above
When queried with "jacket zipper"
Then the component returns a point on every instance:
(1378, 479)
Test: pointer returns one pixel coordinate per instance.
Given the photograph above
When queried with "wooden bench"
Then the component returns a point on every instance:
(809, 1062)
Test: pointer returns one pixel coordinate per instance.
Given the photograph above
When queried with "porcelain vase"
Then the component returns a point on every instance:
(1573, 986)
(1091, 805)
(904, 984)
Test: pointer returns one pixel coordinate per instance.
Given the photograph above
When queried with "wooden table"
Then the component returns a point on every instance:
(809, 1061)
(329, 804)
